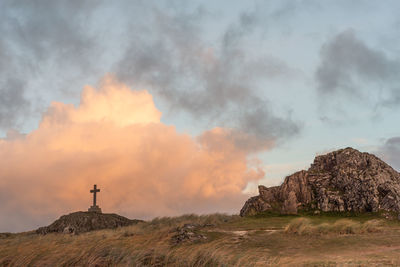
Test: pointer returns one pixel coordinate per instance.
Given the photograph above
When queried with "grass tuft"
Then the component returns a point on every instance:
(304, 226)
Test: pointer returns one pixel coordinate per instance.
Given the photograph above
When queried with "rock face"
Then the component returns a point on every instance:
(80, 222)
(343, 180)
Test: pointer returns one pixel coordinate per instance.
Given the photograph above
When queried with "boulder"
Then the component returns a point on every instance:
(343, 180)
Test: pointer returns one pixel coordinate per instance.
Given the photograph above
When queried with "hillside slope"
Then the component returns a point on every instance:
(216, 240)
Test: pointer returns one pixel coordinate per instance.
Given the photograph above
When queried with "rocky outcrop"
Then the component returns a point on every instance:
(80, 222)
(343, 180)
(188, 233)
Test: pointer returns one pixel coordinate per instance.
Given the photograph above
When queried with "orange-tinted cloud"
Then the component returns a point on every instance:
(115, 139)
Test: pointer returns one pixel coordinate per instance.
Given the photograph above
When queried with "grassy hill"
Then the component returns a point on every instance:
(217, 240)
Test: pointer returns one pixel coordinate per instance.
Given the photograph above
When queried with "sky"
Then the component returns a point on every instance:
(175, 107)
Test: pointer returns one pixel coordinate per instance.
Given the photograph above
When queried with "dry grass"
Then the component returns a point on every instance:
(304, 226)
(231, 241)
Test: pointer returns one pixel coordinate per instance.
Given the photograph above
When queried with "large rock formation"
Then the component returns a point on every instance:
(343, 180)
(80, 222)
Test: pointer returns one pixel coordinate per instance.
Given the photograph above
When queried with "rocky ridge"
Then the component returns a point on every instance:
(343, 180)
(81, 222)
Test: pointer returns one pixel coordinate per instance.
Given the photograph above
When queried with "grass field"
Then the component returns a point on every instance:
(217, 240)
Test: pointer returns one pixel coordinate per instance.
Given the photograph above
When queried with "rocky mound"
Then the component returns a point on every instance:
(188, 233)
(80, 222)
(343, 180)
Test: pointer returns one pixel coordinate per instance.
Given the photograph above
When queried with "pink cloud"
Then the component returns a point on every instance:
(115, 139)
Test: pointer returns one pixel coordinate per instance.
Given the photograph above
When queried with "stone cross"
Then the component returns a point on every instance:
(94, 191)
(94, 208)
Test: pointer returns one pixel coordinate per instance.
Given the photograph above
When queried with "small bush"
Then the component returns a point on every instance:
(303, 226)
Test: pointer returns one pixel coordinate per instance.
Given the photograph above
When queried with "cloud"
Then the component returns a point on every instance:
(393, 98)
(349, 66)
(213, 81)
(50, 47)
(390, 152)
(12, 102)
(162, 47)
(40, 37)
(115, 139)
